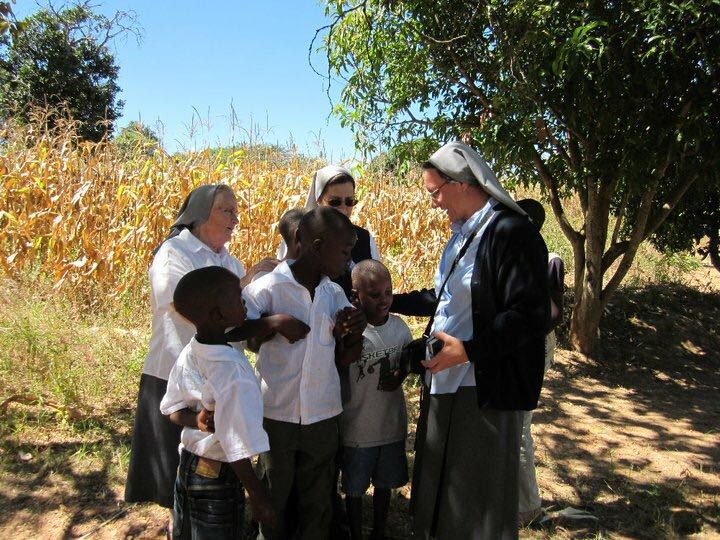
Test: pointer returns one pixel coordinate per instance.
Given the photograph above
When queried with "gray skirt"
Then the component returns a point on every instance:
(465, 481)
(154, 455)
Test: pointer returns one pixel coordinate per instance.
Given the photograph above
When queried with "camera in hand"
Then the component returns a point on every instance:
(433, 346)
(418, 350)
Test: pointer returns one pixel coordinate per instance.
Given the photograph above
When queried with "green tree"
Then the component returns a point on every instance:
(136, 138)
(8, 22)
(695, 222)
(611, 102)
(61, 59)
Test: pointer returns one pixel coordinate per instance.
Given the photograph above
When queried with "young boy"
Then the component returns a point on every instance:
(300, 381)
(288, 226)
(215, 467)
(373, 424)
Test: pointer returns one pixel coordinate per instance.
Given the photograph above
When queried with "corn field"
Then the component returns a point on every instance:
(89, 216)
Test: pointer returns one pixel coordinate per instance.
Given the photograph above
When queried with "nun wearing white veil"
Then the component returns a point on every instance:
(334, 186)
(490, 309)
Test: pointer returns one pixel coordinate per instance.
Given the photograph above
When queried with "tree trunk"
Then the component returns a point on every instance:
(585, 322)
(588, 307)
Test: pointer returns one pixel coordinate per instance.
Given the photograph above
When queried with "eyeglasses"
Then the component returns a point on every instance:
(435, 192)
(338, 201)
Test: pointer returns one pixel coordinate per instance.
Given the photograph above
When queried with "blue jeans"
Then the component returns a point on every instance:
(209, 500)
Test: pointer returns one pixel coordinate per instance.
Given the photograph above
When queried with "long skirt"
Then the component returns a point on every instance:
(465, 480)
(154, 455)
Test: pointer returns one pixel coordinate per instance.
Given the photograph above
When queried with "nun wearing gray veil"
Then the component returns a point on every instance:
(197, 239)
(489, 308)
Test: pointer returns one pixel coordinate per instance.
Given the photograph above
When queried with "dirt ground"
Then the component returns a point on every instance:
(631, 437)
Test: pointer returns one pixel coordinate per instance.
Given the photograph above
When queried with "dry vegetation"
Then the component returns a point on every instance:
(89, 216)
(631, 436)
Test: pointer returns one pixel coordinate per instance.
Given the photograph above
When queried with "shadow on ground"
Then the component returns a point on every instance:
(69, 482)
(633, 434)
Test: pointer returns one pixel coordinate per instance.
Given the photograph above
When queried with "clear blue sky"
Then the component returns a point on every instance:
(197, 59)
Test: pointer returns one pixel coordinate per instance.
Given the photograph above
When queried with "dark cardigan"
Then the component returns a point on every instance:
(511, 312)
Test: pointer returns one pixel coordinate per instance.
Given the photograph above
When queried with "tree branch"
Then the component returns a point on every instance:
(632, 245)
(551, 184)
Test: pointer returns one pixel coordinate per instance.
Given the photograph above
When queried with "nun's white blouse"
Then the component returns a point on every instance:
(170, 331)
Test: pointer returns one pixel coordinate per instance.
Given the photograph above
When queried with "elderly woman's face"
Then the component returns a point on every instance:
(337, 196)
(218, 228)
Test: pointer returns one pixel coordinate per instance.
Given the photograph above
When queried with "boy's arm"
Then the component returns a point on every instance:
(189, 418)
(348, 350)
(266, 327)
(260, 502)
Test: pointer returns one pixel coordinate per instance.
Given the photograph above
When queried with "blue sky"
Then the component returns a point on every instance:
(199, 60)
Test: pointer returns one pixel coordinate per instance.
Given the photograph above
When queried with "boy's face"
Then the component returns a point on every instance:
(374, 292)
(334, 252)
(233, 306)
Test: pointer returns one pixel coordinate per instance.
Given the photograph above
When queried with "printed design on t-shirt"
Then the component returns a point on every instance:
(385, 360)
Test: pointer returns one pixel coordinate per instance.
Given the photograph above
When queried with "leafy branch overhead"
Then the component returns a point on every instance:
(61, 58)
(613, 102)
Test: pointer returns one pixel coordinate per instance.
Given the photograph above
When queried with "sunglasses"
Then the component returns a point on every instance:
(338, 201)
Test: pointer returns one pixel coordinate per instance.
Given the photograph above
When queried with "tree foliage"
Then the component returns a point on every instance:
(137, 139)
(695, 222)
(615, 103)
(61, 58)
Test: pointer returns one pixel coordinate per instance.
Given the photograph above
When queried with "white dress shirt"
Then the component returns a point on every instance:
(170, 331)
(454, 311)
(220, 378)
(299, 381)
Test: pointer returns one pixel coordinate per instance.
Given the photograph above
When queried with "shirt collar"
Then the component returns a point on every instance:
(195, 244)
(467, 226)
(284, 273)
(210, 352)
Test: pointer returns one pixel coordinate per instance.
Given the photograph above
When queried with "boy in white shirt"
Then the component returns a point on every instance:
(215, 467)
(373, 425)
(300, 382)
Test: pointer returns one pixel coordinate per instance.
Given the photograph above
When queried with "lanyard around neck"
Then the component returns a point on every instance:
(455, 262)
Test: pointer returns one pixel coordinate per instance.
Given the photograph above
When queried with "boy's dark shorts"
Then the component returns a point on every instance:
(385, 465)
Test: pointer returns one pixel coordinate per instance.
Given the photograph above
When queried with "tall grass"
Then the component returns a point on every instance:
(89, 216)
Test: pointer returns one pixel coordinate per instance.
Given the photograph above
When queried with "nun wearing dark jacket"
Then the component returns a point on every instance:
(490, 310)
(197, 239)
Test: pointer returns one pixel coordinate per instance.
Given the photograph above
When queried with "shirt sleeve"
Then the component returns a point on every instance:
(174, 398)
(238, 410)
(257, 299)
(238, 267)
(167, 268)
(341, 301)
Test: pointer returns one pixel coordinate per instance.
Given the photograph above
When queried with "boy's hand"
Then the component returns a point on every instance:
(289, 327)
(262, 509)
(206, 420)
(349, 321)
(392, 381)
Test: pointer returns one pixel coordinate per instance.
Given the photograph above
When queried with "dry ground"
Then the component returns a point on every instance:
(631, 436)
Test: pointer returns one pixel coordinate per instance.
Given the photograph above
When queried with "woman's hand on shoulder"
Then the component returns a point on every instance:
(266, 265)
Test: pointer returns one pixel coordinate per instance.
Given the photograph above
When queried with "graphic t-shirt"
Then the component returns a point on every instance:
(372, 417)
